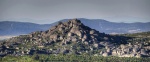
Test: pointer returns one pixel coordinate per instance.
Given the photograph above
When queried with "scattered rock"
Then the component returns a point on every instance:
(105, 54)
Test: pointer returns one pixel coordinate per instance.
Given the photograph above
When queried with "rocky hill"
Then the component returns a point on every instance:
(72, 37)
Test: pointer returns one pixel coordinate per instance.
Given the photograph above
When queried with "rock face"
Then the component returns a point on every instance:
(71, 37)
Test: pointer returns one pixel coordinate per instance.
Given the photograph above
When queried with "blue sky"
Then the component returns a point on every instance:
(49, 11)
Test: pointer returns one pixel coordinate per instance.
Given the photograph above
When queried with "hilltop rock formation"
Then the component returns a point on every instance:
(71, 37)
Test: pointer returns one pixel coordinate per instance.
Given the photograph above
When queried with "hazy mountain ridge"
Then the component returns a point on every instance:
(17, 28)
(114, 27)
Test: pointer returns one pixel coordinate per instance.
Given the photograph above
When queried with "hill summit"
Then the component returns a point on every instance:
(72, 30)
(71, 37)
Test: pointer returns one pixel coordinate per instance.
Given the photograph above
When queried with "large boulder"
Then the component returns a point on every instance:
(79, 33)
(54, 36)
(74, 30)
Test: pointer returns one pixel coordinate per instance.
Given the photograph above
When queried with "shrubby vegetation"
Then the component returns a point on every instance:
(141, 38)
(70, 58)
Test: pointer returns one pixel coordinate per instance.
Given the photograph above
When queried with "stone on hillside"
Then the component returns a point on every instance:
(70, 24)
(127, 50)
(74, 39)
(17, 48)
(61, 38)
(122, 46)
(91, 48)
(76, 26)
(106, 47)
(54, 36)
(31, 35)
(63, 32)
(79, 33)
(86, 43)
(101, 52)
(92, 36)
(143, 52)
(85, 36)
(105, 38)
(68, 39)
(135, 50)
(138, 55)
(136, 46)
(83, 39)
(73, 30)
(108, 50)
(105, 54)
(129, 44)
(92, 32)
(63, 42)
(114, 52)
(60, 29)
(70, 34)
(96, 45)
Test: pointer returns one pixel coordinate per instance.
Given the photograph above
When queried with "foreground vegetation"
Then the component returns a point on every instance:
(70, 58)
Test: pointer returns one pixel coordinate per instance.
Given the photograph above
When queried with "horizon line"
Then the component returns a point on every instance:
(66, 19)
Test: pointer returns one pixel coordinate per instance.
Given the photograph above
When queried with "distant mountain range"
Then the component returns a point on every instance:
(17, 28)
